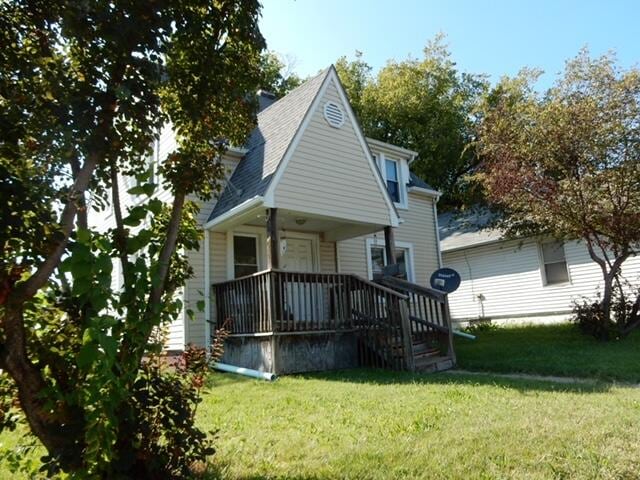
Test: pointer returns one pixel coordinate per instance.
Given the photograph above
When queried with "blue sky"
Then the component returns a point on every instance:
(492, 37)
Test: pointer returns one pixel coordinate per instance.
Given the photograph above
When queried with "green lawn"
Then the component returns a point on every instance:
(385, 425)
(551, 350)
(364, 424)
(381, 425)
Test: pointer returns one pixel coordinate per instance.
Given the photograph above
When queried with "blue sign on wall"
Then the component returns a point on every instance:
(446, 280)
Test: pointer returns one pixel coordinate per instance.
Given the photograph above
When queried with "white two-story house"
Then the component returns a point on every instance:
(310, 213)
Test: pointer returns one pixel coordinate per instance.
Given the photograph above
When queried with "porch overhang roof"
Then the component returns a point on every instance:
(252, 212)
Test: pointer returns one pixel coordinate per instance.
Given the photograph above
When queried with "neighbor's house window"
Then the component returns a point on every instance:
(245, 255)
(378, 259)
(393, 182)
(554, 263)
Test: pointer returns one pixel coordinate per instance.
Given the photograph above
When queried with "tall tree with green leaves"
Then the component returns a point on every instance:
(426, 105)
(566, 163)
(278, 75)
(85, 88)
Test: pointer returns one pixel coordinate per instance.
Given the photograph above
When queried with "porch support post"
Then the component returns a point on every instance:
(390, 245)
(273, 245)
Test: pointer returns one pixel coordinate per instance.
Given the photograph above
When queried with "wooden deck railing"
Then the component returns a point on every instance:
(385, 318)
(428, 311)
(296, 302)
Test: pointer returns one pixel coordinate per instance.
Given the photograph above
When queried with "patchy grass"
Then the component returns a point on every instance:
(551, 350)
(365, 424)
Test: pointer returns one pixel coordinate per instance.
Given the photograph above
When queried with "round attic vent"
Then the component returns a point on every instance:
(333, 114)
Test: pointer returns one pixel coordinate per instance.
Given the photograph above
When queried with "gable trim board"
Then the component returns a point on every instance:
(269, 197)
(238, 209)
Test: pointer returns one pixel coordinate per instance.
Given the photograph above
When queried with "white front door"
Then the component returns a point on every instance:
(300, 291)
(298, 255)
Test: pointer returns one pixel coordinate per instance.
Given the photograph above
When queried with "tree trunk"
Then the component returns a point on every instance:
(607, 293)
(59, 430)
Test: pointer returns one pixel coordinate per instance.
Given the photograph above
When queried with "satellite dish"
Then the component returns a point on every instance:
(445, 279)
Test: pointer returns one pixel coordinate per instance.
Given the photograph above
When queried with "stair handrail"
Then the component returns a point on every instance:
(399, 283)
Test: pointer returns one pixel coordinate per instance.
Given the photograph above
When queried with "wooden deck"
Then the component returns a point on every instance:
(397, 324)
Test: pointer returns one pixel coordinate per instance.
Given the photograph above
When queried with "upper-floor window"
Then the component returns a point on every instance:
(393, 179)
(554, 263)
(394, 174)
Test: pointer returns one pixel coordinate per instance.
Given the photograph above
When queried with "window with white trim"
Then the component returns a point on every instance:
(393, 179)
(245, 255)
(554, 263)
(378, 259)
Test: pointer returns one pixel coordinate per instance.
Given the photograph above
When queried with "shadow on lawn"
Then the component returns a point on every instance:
(385, 377)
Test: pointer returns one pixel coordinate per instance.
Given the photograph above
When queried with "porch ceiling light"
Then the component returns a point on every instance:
(301, 221)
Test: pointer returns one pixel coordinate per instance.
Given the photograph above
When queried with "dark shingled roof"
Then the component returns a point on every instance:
(416, 181)
(466, 229)
(267, 145)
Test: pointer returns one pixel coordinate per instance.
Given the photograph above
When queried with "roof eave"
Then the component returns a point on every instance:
(235, 211)
(425, 191)
(471, 245)
(391, 146)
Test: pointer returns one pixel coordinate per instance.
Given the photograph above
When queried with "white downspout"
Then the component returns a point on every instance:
(437, 232)
(207, 292)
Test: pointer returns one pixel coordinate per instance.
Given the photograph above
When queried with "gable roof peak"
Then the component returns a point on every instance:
(269, 142)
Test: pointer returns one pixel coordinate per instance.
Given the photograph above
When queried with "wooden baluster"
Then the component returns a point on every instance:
(270, 298)
(257, 303)
(265, 301)
(252, 304)
(423, 311)
(383, 329)
(235, 307)
(376, 329)
(340, 294)
(230, 313)
(406, 336)
(263, 313)
(240, 303)
(308, 299)
(245, 306)
(322, 302)
(287, 300)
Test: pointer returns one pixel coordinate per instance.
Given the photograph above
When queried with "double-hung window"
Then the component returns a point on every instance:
(245, 255)
(554, 263)
(378, 259)
(393, 180)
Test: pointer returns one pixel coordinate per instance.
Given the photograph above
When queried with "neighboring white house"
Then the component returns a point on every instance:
(310, 194)
(527, 280)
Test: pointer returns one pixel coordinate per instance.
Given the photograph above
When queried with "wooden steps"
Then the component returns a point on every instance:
(433, 364)
(428, 358)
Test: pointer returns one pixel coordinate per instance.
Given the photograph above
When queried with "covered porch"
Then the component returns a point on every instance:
(285, 315)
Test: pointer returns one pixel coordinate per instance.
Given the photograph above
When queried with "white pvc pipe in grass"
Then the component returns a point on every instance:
(464, 335)
(247, 372)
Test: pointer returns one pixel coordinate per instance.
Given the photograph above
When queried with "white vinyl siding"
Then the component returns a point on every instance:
(327, 257)
(504, 280)
(417, 229)
(329, 174)
(195, 287)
